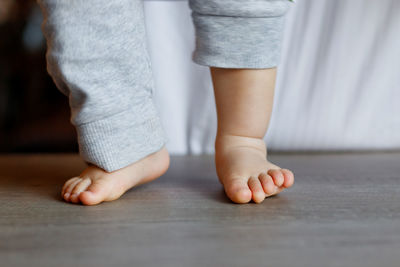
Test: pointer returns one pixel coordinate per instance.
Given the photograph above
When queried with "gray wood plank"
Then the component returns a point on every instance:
(344, 210)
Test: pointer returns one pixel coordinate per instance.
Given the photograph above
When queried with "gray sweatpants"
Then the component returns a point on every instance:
(97, 56)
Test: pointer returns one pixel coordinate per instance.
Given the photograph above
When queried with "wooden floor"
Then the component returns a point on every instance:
(343, 210)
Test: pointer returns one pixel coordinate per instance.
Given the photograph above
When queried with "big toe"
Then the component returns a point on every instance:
(96, 193)
(238, 191)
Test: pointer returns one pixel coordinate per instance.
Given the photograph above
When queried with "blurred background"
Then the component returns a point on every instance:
(338, 84)
(34, 115)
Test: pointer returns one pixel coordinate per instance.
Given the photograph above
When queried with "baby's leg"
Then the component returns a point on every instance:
(97, 56)
(241, 43)
(244, 104)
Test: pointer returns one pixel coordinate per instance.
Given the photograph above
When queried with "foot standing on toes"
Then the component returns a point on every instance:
(97, 56)
(94, 185)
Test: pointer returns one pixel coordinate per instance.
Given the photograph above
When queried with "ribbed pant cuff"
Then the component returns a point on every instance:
(122, 139)
(237, 42)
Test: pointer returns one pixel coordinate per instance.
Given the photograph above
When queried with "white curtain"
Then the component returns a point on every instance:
(338, 84)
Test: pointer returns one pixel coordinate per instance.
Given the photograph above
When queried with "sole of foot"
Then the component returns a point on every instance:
(94, 185)
(244, 171)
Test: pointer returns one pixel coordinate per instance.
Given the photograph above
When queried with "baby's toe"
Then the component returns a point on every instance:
(289, 178)
(277, 176)
(80, 187)
(67, 183)
(267, 183)
(238, 191)
(95, 193)
(69, 188)
(256, 189)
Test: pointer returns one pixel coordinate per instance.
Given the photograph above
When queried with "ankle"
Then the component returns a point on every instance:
(224, 142)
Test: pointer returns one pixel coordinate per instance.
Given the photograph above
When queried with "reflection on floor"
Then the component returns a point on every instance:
(343, 210)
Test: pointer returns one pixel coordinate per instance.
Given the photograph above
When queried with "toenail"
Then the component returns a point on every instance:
(74, 196)
(66, 195)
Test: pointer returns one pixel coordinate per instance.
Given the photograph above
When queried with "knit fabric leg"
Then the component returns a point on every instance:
(97, 56)
(237, 33)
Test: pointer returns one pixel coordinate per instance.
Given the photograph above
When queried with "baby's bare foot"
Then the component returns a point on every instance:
(244, 171)
(94, 185)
